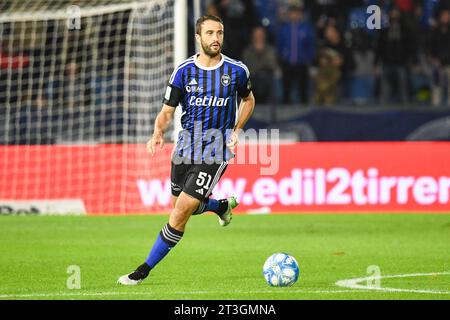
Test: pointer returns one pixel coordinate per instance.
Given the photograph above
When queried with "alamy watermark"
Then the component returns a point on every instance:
(73, 17)
(74, 279)
(257, 147)
(374, 20)
(374, 280)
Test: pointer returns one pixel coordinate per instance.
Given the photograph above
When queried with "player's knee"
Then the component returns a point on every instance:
(181, 212)
(185, 206)
(178, 218)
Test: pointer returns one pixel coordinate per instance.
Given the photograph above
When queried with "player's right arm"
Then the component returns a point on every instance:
(162, 123)
(172, 98)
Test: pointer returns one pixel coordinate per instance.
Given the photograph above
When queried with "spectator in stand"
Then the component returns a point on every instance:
(405, 6)
(296, 47)
(261, 59)
(328, 75)
(393, 59)
(420, 70)
(239, 18)
(284, 6)
(441, 6)
(412, 21)
(440, 54)
(333, 40)
(363, 75)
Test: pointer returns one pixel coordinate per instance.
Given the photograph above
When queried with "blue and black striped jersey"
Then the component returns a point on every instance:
(208, 97)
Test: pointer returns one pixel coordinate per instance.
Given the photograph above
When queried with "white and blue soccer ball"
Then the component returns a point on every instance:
(281, 270)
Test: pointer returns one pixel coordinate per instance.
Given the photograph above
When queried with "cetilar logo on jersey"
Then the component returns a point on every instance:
(208, 101)
(205, 101)
(193, 86)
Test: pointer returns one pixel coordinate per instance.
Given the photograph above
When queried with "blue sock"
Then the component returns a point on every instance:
(217, 206)
(212, 205)
(166, 240)
(208, 205)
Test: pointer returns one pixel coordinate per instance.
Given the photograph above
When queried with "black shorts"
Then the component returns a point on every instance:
(197, 180)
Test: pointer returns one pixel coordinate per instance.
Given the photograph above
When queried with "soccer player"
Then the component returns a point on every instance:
(206, 85)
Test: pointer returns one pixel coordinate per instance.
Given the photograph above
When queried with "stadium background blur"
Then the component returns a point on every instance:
(364, 137)
(405, 55)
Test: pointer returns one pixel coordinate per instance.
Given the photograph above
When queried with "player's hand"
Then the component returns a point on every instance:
(234, 140)
(157, 139)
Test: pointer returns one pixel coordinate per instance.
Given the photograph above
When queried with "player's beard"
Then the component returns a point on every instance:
(210, 52)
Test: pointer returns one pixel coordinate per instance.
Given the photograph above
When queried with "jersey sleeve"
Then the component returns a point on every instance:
(245, 85)
(174, 90)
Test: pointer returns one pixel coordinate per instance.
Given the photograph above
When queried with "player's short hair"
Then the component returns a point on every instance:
(206, 17)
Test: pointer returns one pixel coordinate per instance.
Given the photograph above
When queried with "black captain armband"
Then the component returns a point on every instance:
(173, 96)
(245, 91)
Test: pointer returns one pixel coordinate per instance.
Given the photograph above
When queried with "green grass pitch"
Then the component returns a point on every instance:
(212, 262)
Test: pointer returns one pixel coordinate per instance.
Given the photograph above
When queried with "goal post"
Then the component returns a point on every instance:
(83, 74)
(180, 52)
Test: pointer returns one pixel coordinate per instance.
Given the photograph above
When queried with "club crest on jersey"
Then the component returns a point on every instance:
(225, 80)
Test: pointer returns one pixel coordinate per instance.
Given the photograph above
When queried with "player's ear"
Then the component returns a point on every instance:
(197, 37)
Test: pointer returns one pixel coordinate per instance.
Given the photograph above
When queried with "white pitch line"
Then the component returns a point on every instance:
(87, 294)
(348, 283)
(354, 283)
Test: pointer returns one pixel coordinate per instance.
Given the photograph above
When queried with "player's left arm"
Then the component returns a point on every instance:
(246, 108)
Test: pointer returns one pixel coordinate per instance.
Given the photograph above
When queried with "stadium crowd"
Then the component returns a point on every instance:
(321, 52)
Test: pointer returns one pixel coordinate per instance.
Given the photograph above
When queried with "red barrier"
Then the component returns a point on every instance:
(311, 177)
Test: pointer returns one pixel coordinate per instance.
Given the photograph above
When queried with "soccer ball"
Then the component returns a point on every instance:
(281, 270)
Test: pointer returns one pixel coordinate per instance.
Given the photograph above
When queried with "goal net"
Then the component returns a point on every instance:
(81, 83)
